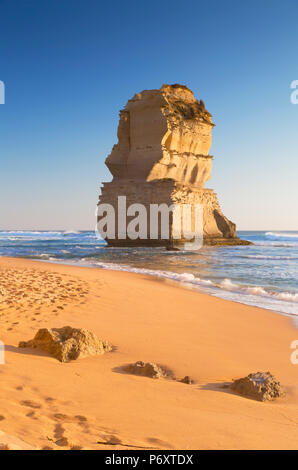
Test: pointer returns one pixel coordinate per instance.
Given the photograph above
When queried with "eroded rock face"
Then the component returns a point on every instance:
(146, 369)
(261, 386)
(162, 156)
(163, 133)
(67, 343)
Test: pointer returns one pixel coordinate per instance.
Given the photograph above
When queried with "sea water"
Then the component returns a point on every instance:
(264, 274)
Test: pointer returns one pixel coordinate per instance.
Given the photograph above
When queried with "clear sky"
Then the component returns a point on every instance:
(69, 66)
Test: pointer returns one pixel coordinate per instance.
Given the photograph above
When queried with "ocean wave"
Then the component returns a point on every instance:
(45, 233)
(265, 257)
(63, 236)
(29, 232)
(282, 235)
(184, 277)
(71, 232)
(258, 290)
(226, 284)
(277, 244)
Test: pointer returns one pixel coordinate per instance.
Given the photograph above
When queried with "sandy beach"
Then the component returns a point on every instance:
(92, 404)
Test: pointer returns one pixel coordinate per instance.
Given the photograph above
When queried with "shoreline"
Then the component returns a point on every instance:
(183, 283)
(90, 400)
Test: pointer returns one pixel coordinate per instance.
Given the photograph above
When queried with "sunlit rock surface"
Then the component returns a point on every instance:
(162, 156)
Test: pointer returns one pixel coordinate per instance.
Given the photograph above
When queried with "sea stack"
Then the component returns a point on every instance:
(162, 157)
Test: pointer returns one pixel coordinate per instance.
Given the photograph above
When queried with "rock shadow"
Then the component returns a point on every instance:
(27, 351)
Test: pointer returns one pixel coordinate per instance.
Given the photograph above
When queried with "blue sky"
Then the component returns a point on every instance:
(69, 66)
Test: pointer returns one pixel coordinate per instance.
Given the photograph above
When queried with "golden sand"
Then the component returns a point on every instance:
(91, 404)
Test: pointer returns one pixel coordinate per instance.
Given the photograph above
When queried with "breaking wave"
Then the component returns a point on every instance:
(226, 284)
(282, 235)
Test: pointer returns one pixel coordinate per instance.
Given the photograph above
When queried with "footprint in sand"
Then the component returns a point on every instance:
(81, 419)
(70, 419)
(63, 440)
(113, 440)
(159, 443)
(31, 414)
(50, 399)
(25, 289)
(31, 404)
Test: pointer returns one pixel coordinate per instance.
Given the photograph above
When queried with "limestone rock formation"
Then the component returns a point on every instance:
(261, 386)
(162, 156)
(67, 343)
(146, 369)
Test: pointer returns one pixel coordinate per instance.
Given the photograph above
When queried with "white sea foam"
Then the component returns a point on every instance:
(71, 232)
(287, 296)
(282, 235)
(44, 256)
(226, 284)
(274, 258)
(277, 243)
(30, 232)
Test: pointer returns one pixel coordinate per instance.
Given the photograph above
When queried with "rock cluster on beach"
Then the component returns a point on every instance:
(146, 369)
(261, 386)
(162, 156)
(154, 371)
(67, 343)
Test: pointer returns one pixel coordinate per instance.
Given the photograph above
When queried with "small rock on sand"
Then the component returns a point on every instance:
(146, 369)
(186, 380)
(5, 447)
(261, 386)
(67, 343)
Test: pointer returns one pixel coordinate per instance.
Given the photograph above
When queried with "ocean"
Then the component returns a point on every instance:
(264, 274)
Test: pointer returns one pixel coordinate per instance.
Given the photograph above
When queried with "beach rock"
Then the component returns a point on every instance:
(186, 380)
(261, 386)
(67, 343)
(162, 157)
(146, 369)
(5, 447)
